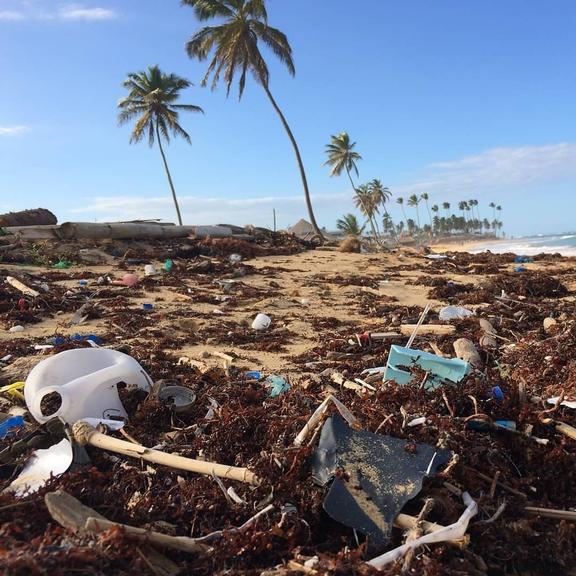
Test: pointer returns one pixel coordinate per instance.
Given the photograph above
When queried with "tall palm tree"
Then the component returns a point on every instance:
(380, 196)
(462, 206)
(493, 206)
(151, 102)
(364, 201)
(349, 225)
(341, 156)
(425, 197)
(400, 201)
(414, 201)
(446, 206)
(234, 45)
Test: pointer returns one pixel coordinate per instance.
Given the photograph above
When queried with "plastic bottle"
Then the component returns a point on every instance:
(86, 380)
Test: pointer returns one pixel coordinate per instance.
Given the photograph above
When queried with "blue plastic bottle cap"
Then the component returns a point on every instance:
(497, 393)
(148, 306)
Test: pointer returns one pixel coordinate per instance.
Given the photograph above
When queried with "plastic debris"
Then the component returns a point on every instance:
(11, 425)
(454, 313)
(440, 370)
(150, 270)
(168, 265)
(17, 328)
(181, 397)
(373, 476)
(261, 322)
(497, 393)
(83, 384)
(235, 258)
(147, 306)
(451, 533)
(278, 385)
(253, 375)
(43, 465)
(567, 403)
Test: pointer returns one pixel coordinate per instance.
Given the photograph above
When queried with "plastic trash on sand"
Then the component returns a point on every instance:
(11, 425)
(454, 313)
(441, 370)
(82, 383)
(261, 322)
(43, 465)
(277, 385)
(373, 477)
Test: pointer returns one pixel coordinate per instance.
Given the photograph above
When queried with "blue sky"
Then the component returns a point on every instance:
(459, 99)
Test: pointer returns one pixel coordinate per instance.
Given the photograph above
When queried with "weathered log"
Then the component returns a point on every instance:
(117, 231)
(426, 329)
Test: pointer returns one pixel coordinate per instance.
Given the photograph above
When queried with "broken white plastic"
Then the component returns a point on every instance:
(567, 403)
(43, 465)
(450, 533)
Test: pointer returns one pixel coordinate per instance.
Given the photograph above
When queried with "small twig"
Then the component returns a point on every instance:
(450, 409)
(493, 485)
(383, 423)
(494, 516)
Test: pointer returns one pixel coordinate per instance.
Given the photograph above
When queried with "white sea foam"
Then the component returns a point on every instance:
(528, 248)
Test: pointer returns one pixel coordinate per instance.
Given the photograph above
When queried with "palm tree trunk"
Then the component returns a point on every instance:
(298, 160)
(169, 176)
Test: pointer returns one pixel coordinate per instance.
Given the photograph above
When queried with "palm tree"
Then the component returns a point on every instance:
(425, 197)
(462, 206)
(349, 225)
(151, 102)
(446, 206)
(234, 45)
(414, 201)
(493, 206)
(341, 156)
(380, 195)
(400, 201)
(365, 203)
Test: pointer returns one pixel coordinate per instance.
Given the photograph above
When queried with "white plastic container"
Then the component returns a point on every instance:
(150, 270)
(86, 381)
(261, 322)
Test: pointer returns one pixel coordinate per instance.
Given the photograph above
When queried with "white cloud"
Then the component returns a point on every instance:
(11, 15)
(12, 130)
(26, 10)
(496, 170)
(196, 210)
(80, 12)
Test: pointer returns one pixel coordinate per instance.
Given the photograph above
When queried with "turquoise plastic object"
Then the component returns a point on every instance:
(278, 385)
(168, 265)
(441, 370)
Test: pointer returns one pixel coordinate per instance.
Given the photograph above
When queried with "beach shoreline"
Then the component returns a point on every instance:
(466, 245)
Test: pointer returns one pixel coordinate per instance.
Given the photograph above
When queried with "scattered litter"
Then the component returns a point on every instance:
(181, 397)
(261, 322)
(253, 375)
(11, 425)
(17, 328)
(440, 370)
(373, 476)
(454, 313)
(43, 465)
(150, 270)
(498, 394)
(567, 403)
(277, 385)
(81, 383)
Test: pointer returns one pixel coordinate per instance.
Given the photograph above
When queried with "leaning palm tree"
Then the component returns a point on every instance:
(413, 201)
(349, 225)
(151, 102)
(341, 156)
(234, 45)
(425, 197)
(400, 201)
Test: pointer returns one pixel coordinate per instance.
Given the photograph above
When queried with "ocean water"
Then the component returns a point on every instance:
(564, 244)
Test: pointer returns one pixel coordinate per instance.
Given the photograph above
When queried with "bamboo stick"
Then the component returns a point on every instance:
(552, 513)
(86, 434)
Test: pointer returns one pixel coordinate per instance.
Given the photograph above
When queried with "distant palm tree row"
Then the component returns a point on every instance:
(372, 199)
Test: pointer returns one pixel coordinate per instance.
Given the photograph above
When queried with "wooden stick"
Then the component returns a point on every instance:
(427, 329)
(86, 434)
(566, 429)
(552, 513)
(407, 522)
(21, 287)
(174, 542)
